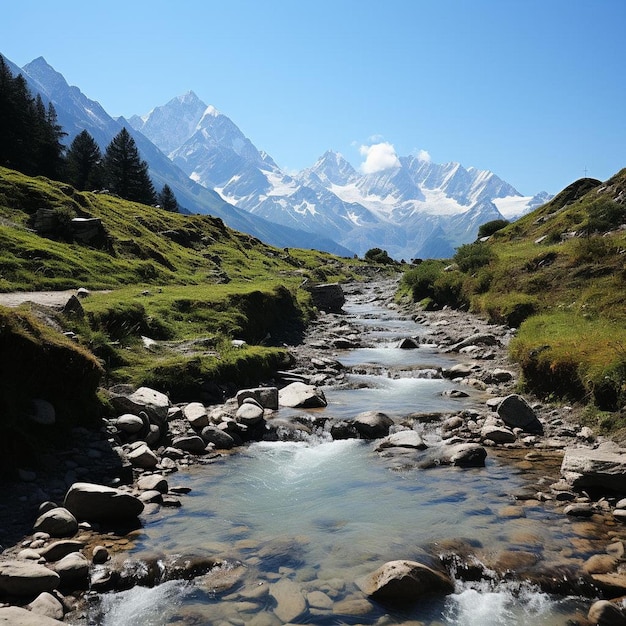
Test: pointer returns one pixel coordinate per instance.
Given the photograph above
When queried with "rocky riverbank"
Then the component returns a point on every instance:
(64, 526)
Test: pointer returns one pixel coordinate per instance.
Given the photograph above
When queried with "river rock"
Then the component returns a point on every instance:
(464, 455)
(97, 503)
(408, 343)
(290, 602)
(329, 297)
(372, 424)
(497, 434)
(343, 430)
(46, 605)
(460, 370)
(190, 443)
(195, 413)
(301, 395)
(584, 468)
(402, 439)
(16, 616)
(605, 613)
(267, 397)
(479, 339)
(218, 437)
(57, 522)
(73, 570)
(515, 412)
(59, 549)
(404, 581)
(143, 457)
(129, 423)
(249, 413)
(154, 403)
(24, 578)
(153, 482)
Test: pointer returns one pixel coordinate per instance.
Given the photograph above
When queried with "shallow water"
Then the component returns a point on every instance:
(323, 513)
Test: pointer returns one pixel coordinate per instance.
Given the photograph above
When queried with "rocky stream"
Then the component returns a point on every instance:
(392, 475)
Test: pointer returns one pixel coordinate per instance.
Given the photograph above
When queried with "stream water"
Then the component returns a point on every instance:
(323, 513)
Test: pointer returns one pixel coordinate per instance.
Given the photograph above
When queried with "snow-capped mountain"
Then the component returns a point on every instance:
(76, 112)
(412, 208)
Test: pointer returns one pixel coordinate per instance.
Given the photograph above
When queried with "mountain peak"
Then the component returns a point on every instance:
(333, 168)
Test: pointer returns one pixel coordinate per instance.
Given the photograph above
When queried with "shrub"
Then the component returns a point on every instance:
(420, 279)
(472, 256)
(489, 228)
(377, 255)
(604, 215)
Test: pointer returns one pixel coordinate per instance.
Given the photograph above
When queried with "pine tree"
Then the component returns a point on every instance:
(167, 200)
(126, 174)
(49, 149)
(84, 163)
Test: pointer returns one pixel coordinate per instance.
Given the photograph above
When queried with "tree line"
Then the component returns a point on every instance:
(31, 141)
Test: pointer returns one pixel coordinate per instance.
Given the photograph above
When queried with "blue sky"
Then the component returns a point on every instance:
(532, 90)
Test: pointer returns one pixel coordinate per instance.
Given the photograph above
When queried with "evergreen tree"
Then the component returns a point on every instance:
(126, 174)
(30, 137)
(167, 200)
(49, 149)
(84, 163)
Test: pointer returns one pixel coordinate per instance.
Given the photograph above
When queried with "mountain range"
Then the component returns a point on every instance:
(408, 206)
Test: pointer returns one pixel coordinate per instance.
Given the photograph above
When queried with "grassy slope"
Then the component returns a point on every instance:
(560, 272)
(188, 282)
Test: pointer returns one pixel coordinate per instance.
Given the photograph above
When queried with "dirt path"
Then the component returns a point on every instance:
(45, 298)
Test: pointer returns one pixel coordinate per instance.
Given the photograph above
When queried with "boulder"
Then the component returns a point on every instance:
(16, 616)
(143, 457)
(290, 602)
(153, 482)
(194, 444)
(515, 412)
(464, 455)
(460, 370)
(408, 343)
(497, 434)
(154, 403)
(328, 297)
(25, 578)
(399, 582)
(402, 439)
(267, 397)
(301, 395)
(219, 438)
(249, 414)
(73, 570)
(129, 423)
(46, 605)
(479, 339)
(584, 468)
(59, 549)
(195, 413)
(605, 613)
(57, 522)
(372, 424)
(97, 503)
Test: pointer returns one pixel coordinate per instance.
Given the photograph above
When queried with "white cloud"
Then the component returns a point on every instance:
(379, 157)
(423, 155)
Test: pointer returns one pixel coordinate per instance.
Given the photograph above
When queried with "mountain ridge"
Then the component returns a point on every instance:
(396, 206)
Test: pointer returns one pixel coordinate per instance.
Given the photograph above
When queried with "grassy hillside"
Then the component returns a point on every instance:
(169, 293)
(559, 273)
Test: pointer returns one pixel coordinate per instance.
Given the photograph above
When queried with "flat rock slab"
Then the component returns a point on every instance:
(584, 468)
(16, 616)
(301, 395)
(402, 439)
(25, 578)
(290, 603)
(98, 503)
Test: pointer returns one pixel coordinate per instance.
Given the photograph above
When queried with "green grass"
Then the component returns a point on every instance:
(559, 274)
